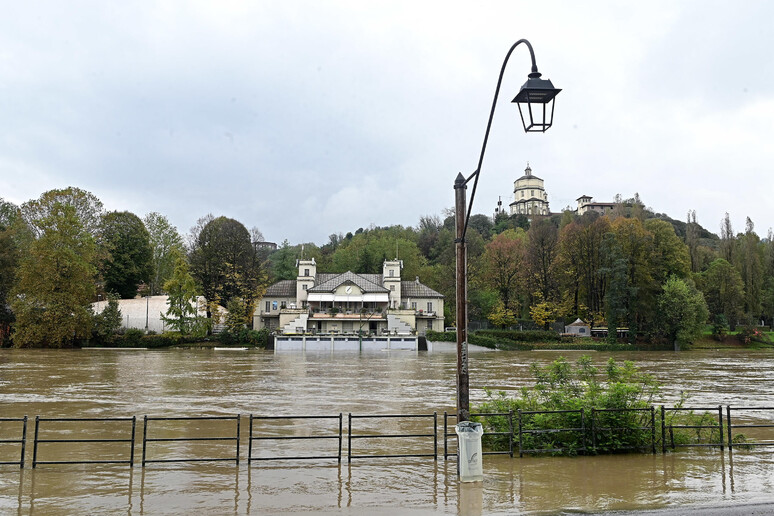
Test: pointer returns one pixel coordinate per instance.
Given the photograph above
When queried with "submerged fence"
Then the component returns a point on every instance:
(371, 436)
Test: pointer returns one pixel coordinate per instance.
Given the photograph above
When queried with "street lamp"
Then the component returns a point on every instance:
(536, 107)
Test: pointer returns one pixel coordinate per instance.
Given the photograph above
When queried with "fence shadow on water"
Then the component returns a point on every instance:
(378, 436)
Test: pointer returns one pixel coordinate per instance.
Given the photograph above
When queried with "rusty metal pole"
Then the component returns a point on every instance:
(463, 379)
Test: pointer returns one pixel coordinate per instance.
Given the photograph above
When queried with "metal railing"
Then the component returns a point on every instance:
(434, 435)
(698, 428)
(731, 427)
(508, 434)
(612, 445)
(130, 440)
(22, 441)
(580, 430)
(252, 438)
(145, 439)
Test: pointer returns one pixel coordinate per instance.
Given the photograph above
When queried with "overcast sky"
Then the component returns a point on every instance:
(311, 118)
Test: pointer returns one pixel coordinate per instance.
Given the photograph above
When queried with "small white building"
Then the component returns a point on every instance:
(578, 328)
(586, 203)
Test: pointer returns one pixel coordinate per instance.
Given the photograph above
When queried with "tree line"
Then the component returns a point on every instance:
(661, 278)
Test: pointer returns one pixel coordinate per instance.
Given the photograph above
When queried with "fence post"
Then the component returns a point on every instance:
(728, 417)
(239, 427)
(349, 438)
(341, 433)
(23, 443)
(144, 437)
(445, 429)
(134, 433)
(583, 429)
(35, 443)
(521, 436)
(250, 441)
(591, 430)
(663, 429)
(653, 428)
(720, 425)
(510, 433)
(435, 436)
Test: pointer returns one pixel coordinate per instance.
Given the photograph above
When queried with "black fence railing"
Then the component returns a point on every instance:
(617, 430)
(197, 438)
(274, 437)
(703, 427)
(21, 440)
(741, 440)
(540, 429)
(119, 422)
(488, 438)
(112, 440)
(434, 435)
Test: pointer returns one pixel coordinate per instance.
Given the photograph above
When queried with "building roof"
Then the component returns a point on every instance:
(416, 289)
(363, 283)
(578, 322)
(283, 288)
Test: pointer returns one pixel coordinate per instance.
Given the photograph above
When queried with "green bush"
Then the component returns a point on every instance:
(523, 336)
(619, 395)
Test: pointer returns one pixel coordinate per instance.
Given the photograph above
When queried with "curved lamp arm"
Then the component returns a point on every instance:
(533, 74)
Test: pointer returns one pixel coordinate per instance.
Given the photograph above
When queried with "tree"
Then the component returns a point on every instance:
(668, 255)
(55, 282)
(107, 323)
(164, 242)
(541, 253)
(723, 290)
(9, 259)
(682, 312)
(749, 263)
(727, 239)
(226, 264)
(283, 262)
(182, 291)
(129, 258)
(503, 264)
(501, 316)
(88, 209)
(543, 313)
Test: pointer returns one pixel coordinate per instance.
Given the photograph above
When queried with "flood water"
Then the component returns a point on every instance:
(178, 383)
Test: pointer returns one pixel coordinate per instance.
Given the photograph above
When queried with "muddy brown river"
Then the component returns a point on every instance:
(182, 383)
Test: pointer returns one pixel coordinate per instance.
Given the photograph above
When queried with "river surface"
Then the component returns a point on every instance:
(183, 383)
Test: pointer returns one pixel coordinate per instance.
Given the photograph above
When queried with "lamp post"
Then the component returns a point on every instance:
(535, 100)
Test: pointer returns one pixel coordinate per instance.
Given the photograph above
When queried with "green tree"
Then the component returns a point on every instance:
(106, 324)
(128, 261)
(283, 262)
(682, 312)
(749, 263)
(164, 241)
(723, 290)
(9, 259)
(182, 291)
(88, 209)
(55, 282)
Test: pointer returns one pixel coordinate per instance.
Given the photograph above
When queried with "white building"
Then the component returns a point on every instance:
(529, 195)
(586, 203)
(350, 303)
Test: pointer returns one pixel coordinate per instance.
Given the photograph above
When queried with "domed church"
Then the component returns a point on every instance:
(529, 195)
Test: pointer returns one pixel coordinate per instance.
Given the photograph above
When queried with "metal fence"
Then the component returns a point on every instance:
(702, 424)
(21, 441)
(317, 437)
(351, 436)
(122, 422)
(198, 438)
(112, 440)
(743, 441)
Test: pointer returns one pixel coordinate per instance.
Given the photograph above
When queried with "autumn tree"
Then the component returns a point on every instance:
(723, 291)
(56, 280)
(87, 208)
(9, 258)
(542, 239)
(504, 266)
(128, 259)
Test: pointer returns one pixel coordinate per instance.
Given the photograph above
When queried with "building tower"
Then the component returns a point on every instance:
(529, 195)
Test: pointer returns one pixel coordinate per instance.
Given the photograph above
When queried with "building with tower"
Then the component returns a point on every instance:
(529, 195)
(350, 303)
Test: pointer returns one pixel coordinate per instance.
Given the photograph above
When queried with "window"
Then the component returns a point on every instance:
(392, 273)
(413, 305)
(283, 305)
(532, 193)
(306, 272)
(392, 287)
(273, 305)
(305, 286)
(429, 306)
(522, 194)
(581, 330)
(268, 306)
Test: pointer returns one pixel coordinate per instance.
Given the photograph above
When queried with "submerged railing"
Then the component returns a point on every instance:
(114, 440)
